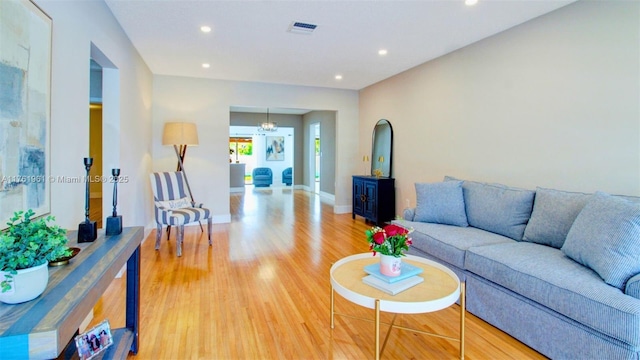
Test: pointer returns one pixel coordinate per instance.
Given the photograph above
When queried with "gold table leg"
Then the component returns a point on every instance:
(378, 329)
(463, 310)
(332, 312)
(384, 344)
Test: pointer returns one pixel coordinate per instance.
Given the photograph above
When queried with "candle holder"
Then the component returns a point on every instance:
(114, 222)
(87, 230)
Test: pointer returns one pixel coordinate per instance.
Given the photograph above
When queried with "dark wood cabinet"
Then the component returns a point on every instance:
(374, 198)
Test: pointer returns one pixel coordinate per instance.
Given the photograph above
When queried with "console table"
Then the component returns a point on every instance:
(42, 328)
(374, 198)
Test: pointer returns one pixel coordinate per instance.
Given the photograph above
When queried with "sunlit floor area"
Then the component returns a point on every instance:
(262, 291)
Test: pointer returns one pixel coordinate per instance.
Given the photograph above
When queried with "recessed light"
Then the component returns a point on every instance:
(382, 52)
(470, 2)
(206, 65)
(205, 29)
(338, 77)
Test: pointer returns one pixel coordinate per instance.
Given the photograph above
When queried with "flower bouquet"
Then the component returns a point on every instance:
(391, 242)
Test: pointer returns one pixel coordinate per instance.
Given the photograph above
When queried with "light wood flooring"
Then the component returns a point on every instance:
(262, 292)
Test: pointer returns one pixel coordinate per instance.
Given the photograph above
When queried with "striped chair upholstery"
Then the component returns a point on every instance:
(169, 186)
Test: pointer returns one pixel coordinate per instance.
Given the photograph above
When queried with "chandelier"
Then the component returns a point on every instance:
(268, 125)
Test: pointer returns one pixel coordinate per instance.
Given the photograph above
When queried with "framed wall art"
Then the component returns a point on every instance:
(275, 148)
(25, 111)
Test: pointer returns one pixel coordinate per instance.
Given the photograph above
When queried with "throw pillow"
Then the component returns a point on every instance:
(175, 204)
(498, 208)
(604, 237)
(440, 203)
(553, 214)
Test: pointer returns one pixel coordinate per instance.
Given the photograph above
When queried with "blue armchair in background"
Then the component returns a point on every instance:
(287, 176)
(262, 177)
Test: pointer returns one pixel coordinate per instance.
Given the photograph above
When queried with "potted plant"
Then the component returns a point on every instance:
(391, 242)
(26, 247)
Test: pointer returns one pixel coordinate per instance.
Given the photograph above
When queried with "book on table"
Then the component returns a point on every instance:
(406, 271)
(392, 288)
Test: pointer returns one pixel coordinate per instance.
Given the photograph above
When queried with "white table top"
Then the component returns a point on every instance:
(440, 288)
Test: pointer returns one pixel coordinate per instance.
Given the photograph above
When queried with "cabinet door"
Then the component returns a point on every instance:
(370, 204)
(358, 197)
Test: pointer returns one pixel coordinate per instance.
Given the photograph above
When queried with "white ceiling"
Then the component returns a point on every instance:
(250, 41)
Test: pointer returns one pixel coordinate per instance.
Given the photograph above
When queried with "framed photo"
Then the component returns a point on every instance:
(25, 111)
(275, 148)
(94, 341)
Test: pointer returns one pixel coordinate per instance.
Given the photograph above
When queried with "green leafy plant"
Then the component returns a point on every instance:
(391, 240)
(29, 242)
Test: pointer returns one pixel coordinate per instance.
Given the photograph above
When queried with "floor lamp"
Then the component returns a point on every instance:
(180, 135)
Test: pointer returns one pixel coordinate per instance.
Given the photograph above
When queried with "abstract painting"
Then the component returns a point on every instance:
(275, 148)
(25, 111)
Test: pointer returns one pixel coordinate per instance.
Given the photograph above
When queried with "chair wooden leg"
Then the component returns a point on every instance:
(158, 235)
(209, 226)
(179, 237)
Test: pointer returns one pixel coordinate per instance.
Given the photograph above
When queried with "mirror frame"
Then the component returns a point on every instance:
(382, 148)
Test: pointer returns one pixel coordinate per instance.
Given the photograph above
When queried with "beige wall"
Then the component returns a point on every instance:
(77, 25)
(553, 103)
(207, 103)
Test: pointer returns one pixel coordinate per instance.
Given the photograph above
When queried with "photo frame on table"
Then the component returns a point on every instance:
(94, 341)
(25, 109)
(275, 148)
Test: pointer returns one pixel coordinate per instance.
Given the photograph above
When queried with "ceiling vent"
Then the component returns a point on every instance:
(298, 27)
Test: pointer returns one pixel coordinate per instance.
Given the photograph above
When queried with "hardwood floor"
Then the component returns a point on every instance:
(262, 292)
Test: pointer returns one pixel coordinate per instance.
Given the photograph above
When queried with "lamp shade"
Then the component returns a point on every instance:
(180, 133)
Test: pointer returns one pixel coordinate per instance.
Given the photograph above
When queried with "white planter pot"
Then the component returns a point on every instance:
(390, 265)
(27, 285)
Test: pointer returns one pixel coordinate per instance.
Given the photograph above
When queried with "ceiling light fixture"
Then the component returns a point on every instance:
(268, 125)
(382, 52)
(470, 2)
(338, 77)
(205, 29)
(206, 65)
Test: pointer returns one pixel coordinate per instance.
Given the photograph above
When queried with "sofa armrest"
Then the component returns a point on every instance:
(633, 287)
(408, 214)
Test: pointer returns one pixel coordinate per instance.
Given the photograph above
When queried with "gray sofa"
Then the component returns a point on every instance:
(557, 270)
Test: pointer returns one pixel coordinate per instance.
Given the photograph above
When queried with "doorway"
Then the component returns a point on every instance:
(104, 132)
(316, 155)
(95, 142)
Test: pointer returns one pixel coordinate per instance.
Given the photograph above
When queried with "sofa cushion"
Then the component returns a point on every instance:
(447, 242)
(440, 203)
(554, 212)
(544, 275)
(604, 237)
(497, 208)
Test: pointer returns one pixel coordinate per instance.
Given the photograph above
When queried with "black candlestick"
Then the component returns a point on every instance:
(87, 230)
(114, 222)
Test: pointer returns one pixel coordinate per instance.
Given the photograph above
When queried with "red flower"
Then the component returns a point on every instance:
(393, 230)
(378, 237)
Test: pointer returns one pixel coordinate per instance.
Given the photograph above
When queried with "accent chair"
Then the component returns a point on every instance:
(174, 208)
(262, 177)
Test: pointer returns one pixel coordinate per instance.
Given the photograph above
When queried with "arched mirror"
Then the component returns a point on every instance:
(381, 149)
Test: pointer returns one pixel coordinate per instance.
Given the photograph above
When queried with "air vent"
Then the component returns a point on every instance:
(299, 27)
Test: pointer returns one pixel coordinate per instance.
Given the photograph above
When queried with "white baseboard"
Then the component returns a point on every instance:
(343, 209)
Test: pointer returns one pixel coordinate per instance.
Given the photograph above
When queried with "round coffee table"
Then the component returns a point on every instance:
(440, 289)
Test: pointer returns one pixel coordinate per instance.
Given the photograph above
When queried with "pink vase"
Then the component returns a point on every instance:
(390, 265)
